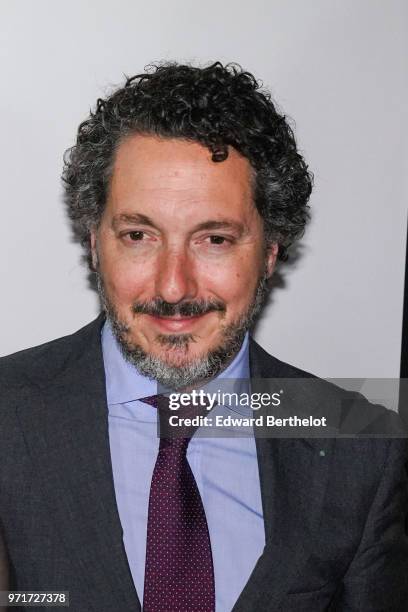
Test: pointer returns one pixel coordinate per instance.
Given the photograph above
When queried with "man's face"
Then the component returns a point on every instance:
(180, 249)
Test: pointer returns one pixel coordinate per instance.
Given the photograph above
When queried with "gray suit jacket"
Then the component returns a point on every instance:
(334, 522)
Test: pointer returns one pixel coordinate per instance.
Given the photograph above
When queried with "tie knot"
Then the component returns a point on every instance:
(157, 401)
(172, 439)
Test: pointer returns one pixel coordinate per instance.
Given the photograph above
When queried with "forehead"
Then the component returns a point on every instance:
(150, 170)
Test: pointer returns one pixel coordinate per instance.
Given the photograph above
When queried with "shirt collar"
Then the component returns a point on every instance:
(124, 383)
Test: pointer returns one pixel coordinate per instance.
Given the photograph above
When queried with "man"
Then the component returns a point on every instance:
(185, 187)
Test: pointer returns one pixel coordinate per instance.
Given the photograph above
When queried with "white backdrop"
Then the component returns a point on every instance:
(338, 67)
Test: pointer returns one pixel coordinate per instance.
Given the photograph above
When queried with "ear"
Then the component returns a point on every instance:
(94, 252)
(271, 257)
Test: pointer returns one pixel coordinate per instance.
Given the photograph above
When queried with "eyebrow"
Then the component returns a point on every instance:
(135, 218)
(138, 218)
(227, 224)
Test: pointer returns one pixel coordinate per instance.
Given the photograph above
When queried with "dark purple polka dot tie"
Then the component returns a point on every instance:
(179, 572)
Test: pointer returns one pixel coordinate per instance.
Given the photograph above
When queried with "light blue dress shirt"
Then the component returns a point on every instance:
(225, 468)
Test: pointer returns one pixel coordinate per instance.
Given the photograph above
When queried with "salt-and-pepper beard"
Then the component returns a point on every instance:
(199, 369)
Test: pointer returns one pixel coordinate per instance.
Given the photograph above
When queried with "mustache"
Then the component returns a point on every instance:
(161, 308)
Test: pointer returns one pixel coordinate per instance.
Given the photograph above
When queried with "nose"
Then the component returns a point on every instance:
(175, 276)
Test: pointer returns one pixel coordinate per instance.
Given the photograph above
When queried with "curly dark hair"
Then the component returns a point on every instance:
(216, 106)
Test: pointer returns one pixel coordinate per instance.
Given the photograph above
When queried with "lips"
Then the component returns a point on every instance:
(176, 323)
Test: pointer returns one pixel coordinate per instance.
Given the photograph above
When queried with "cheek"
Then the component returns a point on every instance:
(233, 281)
(125, 283)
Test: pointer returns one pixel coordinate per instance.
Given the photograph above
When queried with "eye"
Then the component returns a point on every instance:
(217, 239)
(139, 239)
(136, 235)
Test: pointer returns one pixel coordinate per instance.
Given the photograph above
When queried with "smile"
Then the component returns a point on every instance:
(175, 323)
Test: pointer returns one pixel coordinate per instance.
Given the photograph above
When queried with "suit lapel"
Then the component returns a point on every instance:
(293, 476)
(66, 430)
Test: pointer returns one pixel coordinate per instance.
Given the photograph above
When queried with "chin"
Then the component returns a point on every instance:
(179, 356)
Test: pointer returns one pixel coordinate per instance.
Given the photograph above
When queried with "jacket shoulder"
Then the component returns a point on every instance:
(356, 414)
(265, 365)
(40, 363)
